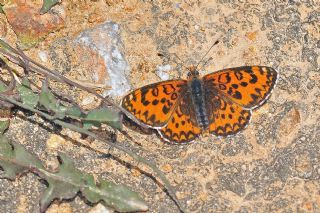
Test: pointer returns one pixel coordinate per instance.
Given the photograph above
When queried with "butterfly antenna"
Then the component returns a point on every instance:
(206, 62)
(215, 43)
(182, 62)
(179, 63)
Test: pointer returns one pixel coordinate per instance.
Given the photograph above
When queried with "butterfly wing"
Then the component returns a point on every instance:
(154, 104)
(232, 93)
(182, 126)
(225, 117)
(247, 86)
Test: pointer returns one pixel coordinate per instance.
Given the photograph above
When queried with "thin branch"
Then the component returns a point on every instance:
(12, 83)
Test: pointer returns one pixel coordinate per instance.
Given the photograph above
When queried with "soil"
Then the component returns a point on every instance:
(271, 166)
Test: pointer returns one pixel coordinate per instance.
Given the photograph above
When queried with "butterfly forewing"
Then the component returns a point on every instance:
(247, 86)
(154, 104)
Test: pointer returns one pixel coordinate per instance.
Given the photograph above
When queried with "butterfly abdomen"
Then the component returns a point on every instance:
(197, 96)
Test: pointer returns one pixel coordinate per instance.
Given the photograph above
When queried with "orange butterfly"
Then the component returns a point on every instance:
(220, 102)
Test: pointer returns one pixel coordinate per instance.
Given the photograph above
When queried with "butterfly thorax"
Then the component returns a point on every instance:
(197, 96)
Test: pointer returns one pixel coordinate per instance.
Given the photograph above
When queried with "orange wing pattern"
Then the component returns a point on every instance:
(154, 104)
(225, 118)
(182, 127)
(136, 127)
(229, 96)
(247, 86)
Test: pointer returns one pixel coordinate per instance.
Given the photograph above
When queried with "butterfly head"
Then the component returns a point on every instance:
(193, 72)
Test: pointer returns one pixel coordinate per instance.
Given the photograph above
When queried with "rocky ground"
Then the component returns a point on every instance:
(271, 166)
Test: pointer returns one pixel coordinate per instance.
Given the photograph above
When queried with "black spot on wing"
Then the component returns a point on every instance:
(167, 89)
(237, 95)
(145, 102)
(244, 84)
(253, 79)
(155, 102)
(165, 109)
(254, 97)
(177, 137)
(155, 92)
(152, 118)
(229, 129)
(174, 96)
(235, 86)
(226, 76)
(238, 75)
(258, 91)
(143, 97)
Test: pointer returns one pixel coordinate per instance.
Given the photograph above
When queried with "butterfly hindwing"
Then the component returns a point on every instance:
(225, 117)
(154, 104)
(247, 86)
(182, 126)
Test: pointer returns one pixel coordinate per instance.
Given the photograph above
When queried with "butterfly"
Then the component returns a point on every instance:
(219, 103)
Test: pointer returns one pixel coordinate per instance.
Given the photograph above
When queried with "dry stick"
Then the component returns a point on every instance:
(12, 84)
(53, 75)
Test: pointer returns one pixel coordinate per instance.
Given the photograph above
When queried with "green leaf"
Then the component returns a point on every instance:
(67, 181)
(27, 96)
(10, 170)
(3, 126)
(103, 115)
(3, 86)
(111, 193)
(1, 9)
(15, 160)
(74, 112)
(4, 45)
(47, 4)
(63, 184)
(48, 100)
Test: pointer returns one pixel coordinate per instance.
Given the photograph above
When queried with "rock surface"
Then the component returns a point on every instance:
(271, 166)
